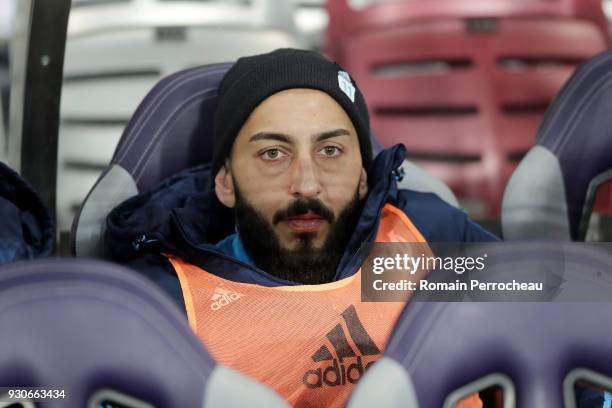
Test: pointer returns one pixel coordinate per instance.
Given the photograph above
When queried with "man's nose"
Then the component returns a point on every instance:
(304, 178)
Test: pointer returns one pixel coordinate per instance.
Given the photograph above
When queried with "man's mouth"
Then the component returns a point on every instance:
(304, 223)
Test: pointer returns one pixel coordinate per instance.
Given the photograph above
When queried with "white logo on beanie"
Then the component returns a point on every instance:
(344, 81)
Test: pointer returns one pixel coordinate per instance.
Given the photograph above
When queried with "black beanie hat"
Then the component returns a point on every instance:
(253, 79)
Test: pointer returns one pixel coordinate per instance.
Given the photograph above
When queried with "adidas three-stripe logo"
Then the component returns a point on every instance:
(340, 371)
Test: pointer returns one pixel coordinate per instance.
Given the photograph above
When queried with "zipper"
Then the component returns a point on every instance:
(139, 243)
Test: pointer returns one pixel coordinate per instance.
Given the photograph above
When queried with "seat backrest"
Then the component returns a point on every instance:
(116, 52)
(464, 84)
(551, 193)
(99, 332)
(535, 351)
(165, 135)
(170, 131)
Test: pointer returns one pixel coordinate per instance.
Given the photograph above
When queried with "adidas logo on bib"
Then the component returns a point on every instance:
(345, 365)
(223, 297)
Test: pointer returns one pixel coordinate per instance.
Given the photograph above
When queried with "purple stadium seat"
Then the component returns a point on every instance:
(99, 332)
(535, 351)
(167, 134)
(551, 193)
(171, 131)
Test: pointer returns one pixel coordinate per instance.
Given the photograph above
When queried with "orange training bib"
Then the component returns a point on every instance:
(310, 343)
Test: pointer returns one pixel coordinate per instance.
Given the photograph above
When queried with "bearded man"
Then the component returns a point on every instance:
(262, 249)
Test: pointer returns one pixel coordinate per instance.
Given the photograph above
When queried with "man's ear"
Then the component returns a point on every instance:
(363, 184)
(224, 186)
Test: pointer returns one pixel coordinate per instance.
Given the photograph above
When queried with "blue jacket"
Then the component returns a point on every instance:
(26, 230)
(182, 216)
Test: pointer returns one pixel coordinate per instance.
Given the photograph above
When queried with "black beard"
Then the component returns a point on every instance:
(305, 264)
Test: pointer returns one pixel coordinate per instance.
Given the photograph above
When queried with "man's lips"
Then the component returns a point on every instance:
(309, 222)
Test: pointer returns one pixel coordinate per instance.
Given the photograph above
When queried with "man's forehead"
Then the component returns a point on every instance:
(305, 113)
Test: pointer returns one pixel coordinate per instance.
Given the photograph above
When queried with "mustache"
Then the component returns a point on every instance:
(302, 206)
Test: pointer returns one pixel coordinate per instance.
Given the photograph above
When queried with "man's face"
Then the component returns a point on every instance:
(297, 163)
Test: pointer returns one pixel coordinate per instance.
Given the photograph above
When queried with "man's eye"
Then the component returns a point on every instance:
(272, 154)
(330, 151)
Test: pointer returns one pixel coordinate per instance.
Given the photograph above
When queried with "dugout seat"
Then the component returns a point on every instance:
(538, 352)
(464, 84)
(172, 131)
(551, 194)
(108, 338)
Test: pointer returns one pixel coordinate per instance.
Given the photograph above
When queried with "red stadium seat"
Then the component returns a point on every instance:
(464, 84)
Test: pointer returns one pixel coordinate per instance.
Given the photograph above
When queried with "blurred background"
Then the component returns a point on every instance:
(463, 84)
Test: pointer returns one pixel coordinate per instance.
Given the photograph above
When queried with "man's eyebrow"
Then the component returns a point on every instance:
(332, 133)
(281, 137)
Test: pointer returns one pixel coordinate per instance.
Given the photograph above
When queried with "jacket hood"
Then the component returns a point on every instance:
(184, 208)
(27, 230)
